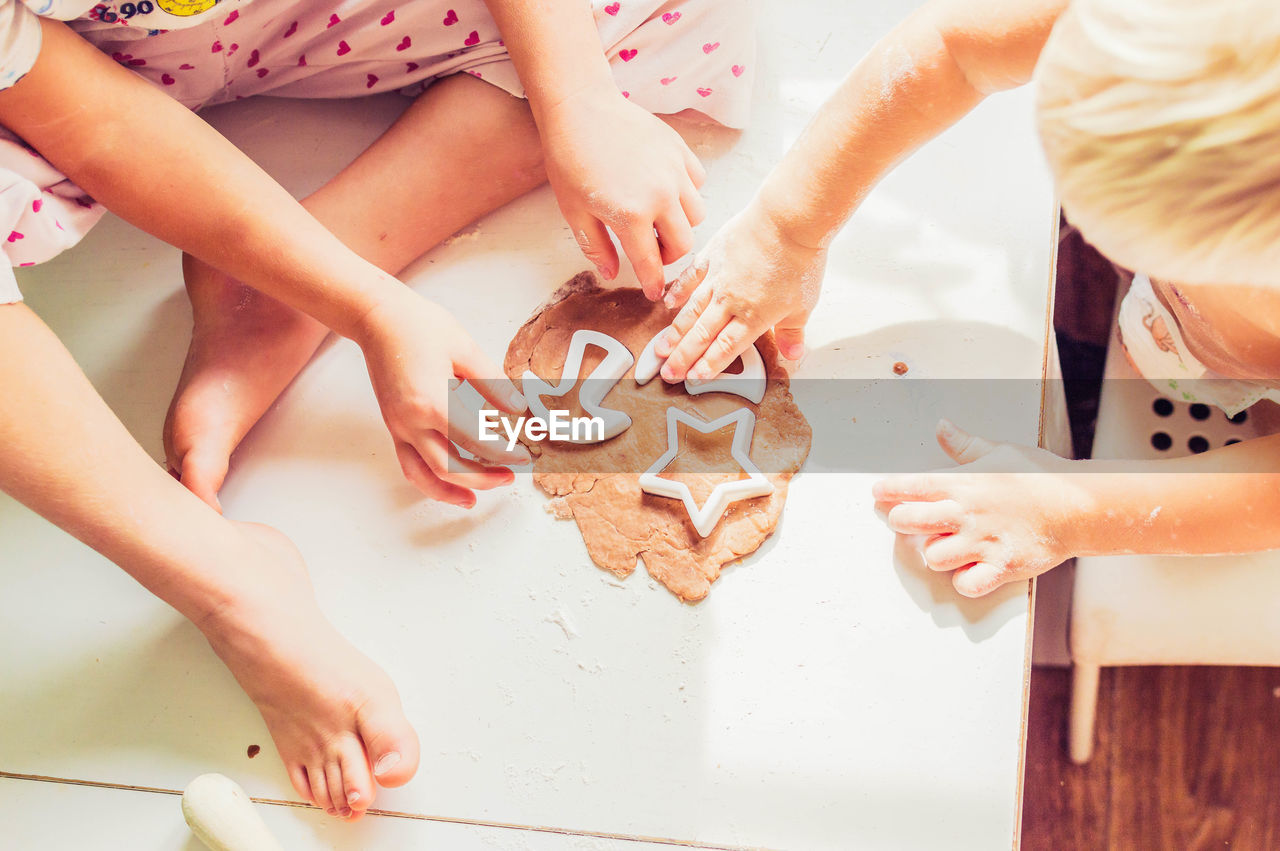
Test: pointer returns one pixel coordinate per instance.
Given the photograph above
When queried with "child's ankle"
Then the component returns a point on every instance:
(264, 574)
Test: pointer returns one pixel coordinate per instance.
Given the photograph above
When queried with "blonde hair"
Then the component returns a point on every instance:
(1161, 122)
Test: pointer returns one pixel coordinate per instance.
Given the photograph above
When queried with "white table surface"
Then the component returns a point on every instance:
(830, 693)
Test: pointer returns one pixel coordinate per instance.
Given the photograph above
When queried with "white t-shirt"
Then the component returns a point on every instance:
(20, 25)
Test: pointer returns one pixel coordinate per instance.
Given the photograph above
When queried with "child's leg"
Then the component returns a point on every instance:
(332, 713)
(461, 150)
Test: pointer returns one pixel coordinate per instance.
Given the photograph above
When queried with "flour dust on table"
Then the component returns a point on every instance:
(698, 478)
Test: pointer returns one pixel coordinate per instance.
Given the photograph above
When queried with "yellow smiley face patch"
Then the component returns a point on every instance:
(186, 8)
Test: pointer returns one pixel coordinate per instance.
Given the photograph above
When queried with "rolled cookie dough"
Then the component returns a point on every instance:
(597, 485)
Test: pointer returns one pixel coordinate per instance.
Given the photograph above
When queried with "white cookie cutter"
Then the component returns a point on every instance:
(706, 518)
(596, 386)
(749, 384)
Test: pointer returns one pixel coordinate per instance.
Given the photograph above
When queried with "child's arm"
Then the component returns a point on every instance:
(1010, 512)
(153, 162)
(66, 456)
(764, 268)
(609, 161)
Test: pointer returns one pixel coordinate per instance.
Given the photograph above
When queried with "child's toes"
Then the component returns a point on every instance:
(333, 779)
(390, 742)
(298, 777)
(357, 778)
(320, 788)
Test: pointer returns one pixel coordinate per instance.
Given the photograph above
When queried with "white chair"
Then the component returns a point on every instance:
(1166, 610)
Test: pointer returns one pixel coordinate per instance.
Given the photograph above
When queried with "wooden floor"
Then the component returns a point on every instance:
(1186, 758)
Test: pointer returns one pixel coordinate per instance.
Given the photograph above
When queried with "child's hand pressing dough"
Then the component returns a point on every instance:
(1007, 515)
(748, 279)
(613, 164)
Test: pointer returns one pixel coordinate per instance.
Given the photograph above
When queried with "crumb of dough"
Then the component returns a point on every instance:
(900, 368)
(253, 751)
(558, 508)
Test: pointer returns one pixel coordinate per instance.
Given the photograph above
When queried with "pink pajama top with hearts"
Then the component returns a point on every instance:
(669, 57)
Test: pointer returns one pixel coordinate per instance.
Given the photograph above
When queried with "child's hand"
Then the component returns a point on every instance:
(748, 279)
(613, 164)
(414, 349)
(1007, 517)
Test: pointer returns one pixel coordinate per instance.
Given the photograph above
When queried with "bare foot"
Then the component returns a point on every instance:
(245, 349)
(334, 715)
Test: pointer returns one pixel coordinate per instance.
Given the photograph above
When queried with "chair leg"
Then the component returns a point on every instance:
(1083, 711)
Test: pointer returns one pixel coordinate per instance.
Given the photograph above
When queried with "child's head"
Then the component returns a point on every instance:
(1161, 121)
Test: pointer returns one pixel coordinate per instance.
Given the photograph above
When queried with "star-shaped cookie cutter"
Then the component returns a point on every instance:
(705, 518)
(594, 387)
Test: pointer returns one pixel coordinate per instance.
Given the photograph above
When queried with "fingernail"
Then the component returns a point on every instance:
(388, 762)
(352, 797)
(331, 811)
(668, 374)
(793, 352)
(604, 273)
(701, 372)
(945, 426)
(517, 400)
(669, 301)
(346, 812)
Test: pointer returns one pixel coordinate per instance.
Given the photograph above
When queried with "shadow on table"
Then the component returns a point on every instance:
(932, 591)
(867, 419)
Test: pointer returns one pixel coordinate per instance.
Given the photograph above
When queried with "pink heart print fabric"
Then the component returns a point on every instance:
(668, 57)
